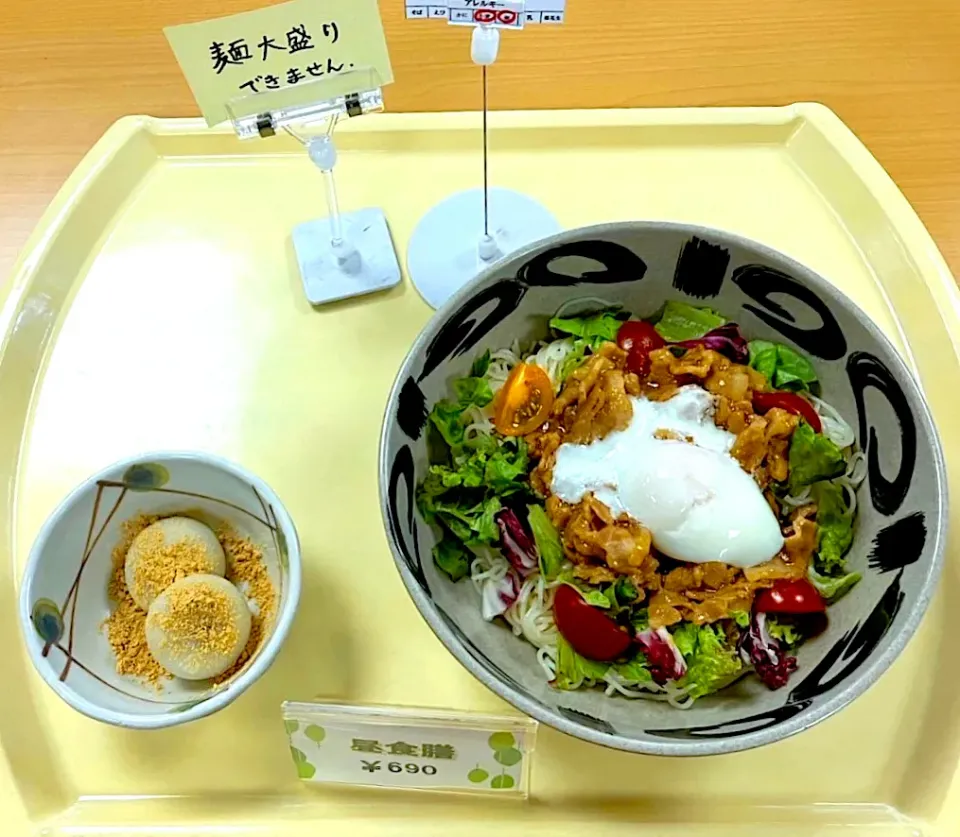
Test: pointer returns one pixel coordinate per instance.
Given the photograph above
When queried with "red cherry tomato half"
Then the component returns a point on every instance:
(638, 339)
(789, 596)
(591, 633)
(792, 403)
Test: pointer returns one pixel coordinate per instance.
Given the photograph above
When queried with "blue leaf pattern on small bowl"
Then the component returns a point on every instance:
(145, 476)
(46, 618)
(282, 550)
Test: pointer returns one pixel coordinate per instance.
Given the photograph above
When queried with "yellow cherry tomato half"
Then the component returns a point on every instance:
(524, 401)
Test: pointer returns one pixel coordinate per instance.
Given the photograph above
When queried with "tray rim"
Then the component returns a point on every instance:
(920, 247)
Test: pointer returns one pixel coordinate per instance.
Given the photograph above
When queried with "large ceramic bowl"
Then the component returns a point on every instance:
(64, 598)
(899, 537)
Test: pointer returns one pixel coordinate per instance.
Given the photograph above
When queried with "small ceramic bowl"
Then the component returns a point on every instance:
(900, 531)
(64, 599)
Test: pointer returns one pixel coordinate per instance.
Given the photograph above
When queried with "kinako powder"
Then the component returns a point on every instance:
(169, 562)
(126, 626)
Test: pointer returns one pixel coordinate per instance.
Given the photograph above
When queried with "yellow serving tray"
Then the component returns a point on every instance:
(158, 305)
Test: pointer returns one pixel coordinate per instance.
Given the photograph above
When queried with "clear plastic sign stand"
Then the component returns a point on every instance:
(342, 255)
(467, 232)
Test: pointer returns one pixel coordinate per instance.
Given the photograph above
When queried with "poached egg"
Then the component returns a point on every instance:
(693, 496)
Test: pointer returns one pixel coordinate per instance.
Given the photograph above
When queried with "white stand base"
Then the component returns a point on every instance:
(328, 275)
(446, 246)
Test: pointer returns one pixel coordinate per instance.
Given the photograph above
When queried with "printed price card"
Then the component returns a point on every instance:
(413, 749)
(314, 43)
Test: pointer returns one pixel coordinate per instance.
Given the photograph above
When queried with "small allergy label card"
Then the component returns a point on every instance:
(413, 749)
(321, 45)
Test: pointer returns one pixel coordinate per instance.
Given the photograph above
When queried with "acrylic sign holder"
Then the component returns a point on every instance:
(465, 233)
(340, 256)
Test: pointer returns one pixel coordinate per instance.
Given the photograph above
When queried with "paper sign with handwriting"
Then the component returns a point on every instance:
(323, 45)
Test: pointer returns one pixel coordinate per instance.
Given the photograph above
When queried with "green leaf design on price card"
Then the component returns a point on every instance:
(305, 770)
(315, 734)
(502, 741)
(478, 775)
(508, 757)
(291, 726)
(502, 782)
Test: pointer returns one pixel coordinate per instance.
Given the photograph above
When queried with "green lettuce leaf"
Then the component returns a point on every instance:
(572, 359)
(482, 443)
(794, 371)
(591, 595)
(452, 558)
(547, 538)
(467, 518)
(763, 357)
(640, 620)
(634, 671)
(505, 468)
(572, 669)
(473, 392)
(625, 591)
(442, 478)
(480, 365)
(595, 329)
(813, 457)
(685, 636)
(834, 528)
(498, 467)
(833, 588)
(784, 368)
(741, 617)
(597, 598)
(464, 494)
(784, 631)
(712, 663)
(681, 321)
(446, 417)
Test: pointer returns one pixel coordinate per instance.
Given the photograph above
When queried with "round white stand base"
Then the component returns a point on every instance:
(446, 246)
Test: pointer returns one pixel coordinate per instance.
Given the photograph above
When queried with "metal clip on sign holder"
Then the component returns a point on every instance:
(340, 256)
(469, 231)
